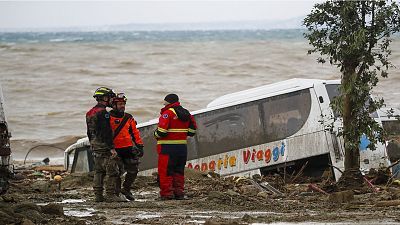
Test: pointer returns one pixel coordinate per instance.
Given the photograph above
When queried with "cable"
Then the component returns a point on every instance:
(29, 151)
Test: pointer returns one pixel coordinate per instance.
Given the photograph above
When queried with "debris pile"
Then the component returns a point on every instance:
(43, 194)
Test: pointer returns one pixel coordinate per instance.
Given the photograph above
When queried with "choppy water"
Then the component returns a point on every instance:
(48, 81)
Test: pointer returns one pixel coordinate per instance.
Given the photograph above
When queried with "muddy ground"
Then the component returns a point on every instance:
(35, 198)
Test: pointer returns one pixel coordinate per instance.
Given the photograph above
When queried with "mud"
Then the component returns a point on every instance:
(34, 199)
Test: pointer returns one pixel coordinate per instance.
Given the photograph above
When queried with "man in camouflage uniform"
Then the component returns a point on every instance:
(101, 141)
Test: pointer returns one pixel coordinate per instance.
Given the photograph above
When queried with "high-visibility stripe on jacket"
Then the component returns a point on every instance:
(128, 135)
(171, 129)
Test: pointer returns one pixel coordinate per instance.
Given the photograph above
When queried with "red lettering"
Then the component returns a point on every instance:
(190, 166)
(267, 155)
(253, 155)
(260, 155)
(204, 167)
(211, 165)
(246, 156)
(197, 167)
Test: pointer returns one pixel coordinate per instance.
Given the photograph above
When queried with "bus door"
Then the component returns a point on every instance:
(332, 124)
(372, 158)
(368, 158)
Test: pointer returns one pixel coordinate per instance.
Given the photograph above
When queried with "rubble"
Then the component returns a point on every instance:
(211, 200)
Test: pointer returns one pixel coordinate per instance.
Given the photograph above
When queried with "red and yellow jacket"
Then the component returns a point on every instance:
(129, 134)
(175, 125)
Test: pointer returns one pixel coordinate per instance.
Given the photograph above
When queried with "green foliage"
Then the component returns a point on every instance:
(355, 37)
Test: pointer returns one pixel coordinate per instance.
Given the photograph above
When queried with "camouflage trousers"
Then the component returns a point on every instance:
(130, 166)
(104, 166)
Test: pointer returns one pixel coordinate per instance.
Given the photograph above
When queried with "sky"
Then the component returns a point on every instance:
(54, 14)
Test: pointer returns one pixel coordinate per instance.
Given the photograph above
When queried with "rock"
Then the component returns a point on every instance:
(54, 209)
(19, 176)
(263, 194)
(33, 215)
(247, 218)
(213, 174)
(307, 193)
(81, 222)
(210, 222)
(27, 222)
(396, 195)
(341, 197)
(249, 189)
(215, 195)
(41, 186)
(9, 198)
(25, 207)
(194, 174)
(256, 177)
(232, 193)
(6, 208)
(77, 180)
(387, 203)
(6, 218)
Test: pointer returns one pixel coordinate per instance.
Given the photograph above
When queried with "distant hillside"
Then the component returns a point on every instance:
(294, 23)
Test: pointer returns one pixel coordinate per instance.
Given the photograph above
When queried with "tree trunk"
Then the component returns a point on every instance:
(352, 153)
(352, 177)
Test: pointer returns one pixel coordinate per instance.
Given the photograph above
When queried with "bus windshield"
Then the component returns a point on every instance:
(333, 91)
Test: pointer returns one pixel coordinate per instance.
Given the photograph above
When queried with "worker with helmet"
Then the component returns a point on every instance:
(100, 137)
(174, 126)
(128, 144)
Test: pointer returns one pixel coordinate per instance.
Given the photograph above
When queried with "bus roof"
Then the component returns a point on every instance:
(254, 94)
(267, 91)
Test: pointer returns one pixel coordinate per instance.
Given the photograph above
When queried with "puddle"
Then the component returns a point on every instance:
(65, 201)
(142, 200)
(225, 215)
(71, 201)
(146, 196)
(79, 213)
(144, 215)
(196, 221)
(42, 204)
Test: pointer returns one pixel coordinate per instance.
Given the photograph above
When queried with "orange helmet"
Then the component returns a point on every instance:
(120, 97)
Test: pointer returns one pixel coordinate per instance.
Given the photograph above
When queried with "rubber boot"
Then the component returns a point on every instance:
(98, 197)
(128, 194)
(114, 198)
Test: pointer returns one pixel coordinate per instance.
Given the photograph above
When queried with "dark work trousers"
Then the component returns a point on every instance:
(171, 167)
(104, 165)
(128, 162)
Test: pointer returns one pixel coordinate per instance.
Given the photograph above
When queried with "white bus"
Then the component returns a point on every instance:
(264, 129)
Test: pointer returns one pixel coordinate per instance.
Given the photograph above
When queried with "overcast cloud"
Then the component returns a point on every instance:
(92, 13)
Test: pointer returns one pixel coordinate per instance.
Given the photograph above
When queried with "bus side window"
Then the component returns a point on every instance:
(229, 129)
(284, 115)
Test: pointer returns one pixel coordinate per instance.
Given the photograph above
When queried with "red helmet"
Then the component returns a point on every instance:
(120, 97)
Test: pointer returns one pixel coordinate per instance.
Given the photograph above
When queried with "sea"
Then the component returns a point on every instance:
(48, 78)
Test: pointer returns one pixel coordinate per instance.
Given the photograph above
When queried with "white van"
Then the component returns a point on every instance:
(264, 129)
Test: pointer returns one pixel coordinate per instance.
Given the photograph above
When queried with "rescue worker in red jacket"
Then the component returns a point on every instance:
(125, 136)
(175, 124)
(101, 141)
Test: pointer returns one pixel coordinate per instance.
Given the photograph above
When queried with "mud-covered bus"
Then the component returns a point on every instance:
(280, 126)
